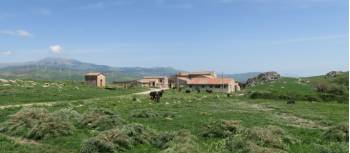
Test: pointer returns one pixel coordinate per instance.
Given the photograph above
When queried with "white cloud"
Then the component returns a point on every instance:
(56, 49)
(19, 32)
(6, 53)
(23, 33)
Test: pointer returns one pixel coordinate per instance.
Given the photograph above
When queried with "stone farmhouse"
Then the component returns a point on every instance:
(206, 80)
(226, 85)
(154, 82)
(96, 79)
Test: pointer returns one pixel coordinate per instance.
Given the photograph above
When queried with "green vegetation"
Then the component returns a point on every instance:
(24, 91)
(182, 122)
(320, 88)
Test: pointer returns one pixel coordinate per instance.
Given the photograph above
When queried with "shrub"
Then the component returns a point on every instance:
(144, 113)
(339, 133)
(21, 122)
(312, 98)
(263, 95)
(51, 126)
(238, 144)
(259, 140)
(119, 139)
(162, 140)
(110, 141)
(67, 114)
(102, 119)
(270, 136)
(332, 148)
(221, 128)
(183, 142)
(139, 134)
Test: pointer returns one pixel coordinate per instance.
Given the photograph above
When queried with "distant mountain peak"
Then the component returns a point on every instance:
(58, 61)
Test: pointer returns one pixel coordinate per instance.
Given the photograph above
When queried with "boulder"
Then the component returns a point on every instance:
(263, 78)
(3, 81)
(333, 74)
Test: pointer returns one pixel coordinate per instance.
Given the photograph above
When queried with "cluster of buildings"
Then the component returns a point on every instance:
(203, 81)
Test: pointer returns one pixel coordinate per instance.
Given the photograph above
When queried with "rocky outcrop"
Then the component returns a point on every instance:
(333, 74)
(263, 78)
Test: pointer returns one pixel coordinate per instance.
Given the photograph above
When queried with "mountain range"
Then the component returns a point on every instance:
(71, 69)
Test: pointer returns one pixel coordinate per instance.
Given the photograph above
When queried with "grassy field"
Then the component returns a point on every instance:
(318, 88)
(213, 123)
(26, 91)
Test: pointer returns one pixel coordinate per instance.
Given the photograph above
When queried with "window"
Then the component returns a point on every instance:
(217, 86)
(211, 86)
(190, 86)
(203, 86)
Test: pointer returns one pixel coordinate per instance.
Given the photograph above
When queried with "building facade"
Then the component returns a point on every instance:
(226, 85)
(96, 79)
(154, 82)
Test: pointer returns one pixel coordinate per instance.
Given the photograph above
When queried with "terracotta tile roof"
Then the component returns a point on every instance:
(197, 73)
(213, 81)
(93, 74)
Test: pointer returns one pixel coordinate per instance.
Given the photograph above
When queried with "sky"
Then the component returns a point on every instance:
(294, 37)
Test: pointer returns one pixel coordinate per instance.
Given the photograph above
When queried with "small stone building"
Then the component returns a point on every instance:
(226, 85)
(96, 79)
(154, 82)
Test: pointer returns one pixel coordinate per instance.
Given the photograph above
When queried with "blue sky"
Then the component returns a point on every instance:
(298, 37)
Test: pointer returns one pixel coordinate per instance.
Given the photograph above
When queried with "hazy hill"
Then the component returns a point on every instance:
(243, 77)
(70, 69)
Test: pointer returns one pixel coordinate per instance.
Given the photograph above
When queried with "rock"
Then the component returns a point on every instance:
(4, 81)
(333, 74)
(263, 78)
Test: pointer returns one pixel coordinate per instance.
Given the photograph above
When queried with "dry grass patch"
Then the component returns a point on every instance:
(221, 128)
(102, 119)
(144, 113)
(37, 123)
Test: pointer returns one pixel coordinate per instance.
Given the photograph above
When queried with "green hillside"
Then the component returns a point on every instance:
(318, 88)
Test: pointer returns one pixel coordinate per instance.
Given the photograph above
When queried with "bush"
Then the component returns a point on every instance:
(339, 133)
(67, 114)
(183, 142)
(110, 141)
(102, 119)
(270, 136)
(238, 144)
(263, 95)
(144, 113)
(51, 126)
(221, 128)
(260, 140)
(332, 148)
(119, 139)
(138, 134)
(21, 122)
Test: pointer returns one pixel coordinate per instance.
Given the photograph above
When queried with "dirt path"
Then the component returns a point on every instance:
(57, 102)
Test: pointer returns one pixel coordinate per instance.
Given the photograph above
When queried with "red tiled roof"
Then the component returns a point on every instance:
(214, 81)
(93, 74)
